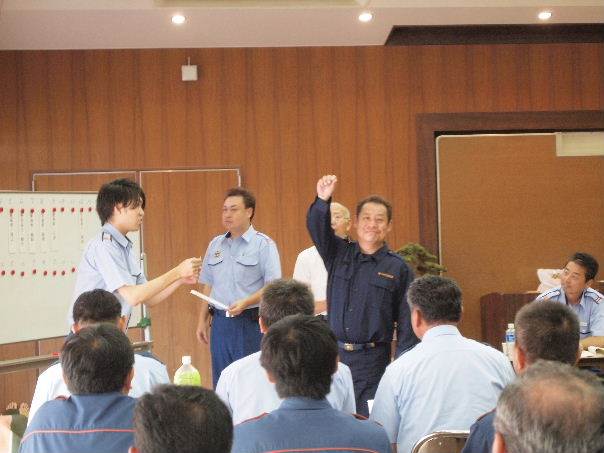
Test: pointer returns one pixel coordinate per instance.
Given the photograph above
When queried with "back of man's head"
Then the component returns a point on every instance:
(182, 419)
(552, 408)
(283, 298)
(97, 359)
(96, 306)
(438, 299)
(549, 331)
(300, 353)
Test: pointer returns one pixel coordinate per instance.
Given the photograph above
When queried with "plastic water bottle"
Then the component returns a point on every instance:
(187, 374)
(510, 340)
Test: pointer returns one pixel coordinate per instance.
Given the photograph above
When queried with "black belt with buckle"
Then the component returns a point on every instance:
(356, 346)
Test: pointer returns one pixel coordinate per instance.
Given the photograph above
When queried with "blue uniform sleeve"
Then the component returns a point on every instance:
(271, 265)
(111, 265)
(596, 319)
(481, 436)
(318, 222)
(405, 336)
(205, 276)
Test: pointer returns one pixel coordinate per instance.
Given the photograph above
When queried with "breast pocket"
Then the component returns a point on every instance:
(382, 287)
(248, 271)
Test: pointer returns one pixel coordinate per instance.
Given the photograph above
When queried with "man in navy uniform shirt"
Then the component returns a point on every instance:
(97, 417)
(577, 277)
(366, 289)
(300, 355)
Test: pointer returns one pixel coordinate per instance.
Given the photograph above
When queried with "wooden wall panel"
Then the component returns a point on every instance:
(284, 116)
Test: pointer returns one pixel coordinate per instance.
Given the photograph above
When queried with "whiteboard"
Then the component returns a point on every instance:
(43, 236)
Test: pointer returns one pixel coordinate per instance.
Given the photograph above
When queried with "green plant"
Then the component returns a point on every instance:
(420, 259)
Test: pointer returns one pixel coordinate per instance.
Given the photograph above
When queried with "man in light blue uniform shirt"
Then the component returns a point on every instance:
(577, 277)
(300, 354)
(109, 262)
(236, 267)
(446, 381)
(244, 385)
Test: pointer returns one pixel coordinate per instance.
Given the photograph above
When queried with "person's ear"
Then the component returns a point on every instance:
(75, 328)
(270, 377)
(263, 327)
(128, 381)
(133, 449)
(519, 359)
(499, 444)
(122, 323)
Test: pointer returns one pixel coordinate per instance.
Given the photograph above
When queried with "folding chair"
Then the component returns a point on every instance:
(442, 442)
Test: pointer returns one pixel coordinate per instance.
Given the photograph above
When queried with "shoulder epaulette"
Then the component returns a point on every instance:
(594, 295)
(549, 294)
(396, 255)
(106, 236)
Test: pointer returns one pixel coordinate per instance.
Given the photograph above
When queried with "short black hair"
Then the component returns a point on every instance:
(249, 201)
(182, 419)
(588, 262)
(438, 298)
(97, 359)
(283, 298)
(377, 200)
(548, 330)
(300, 352)
(96, 306)
(120, 191)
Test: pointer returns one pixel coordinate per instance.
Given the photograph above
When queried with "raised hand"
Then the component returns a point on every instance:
(326, 186)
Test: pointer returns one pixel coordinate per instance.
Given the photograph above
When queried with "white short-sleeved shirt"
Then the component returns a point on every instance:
(247, 392)
(444, 383)
(148, 373)
(108, 263)
(310, 269)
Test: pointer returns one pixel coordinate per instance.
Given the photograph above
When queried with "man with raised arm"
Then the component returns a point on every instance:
(366, 288)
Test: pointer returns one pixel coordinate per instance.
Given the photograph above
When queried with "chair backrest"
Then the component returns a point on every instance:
(442, 442)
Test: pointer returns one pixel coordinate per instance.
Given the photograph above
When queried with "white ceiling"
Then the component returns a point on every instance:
(108, 24)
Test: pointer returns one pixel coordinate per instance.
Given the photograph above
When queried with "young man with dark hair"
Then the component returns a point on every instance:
(552, 408)
(300, 354)
(544, 331)
(447, 380)
(181, 419)
(110, 263)
(366, 289)
(97, 418)
(244, 386)
(236, 267)
(92, 308)
(577, 277)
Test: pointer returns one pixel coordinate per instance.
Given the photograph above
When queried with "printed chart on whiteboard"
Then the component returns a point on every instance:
(44, 235)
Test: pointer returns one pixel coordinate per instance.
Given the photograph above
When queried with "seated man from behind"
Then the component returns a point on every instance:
(544, 331)
(91, 308)
(181, 419)
(300, 354)
(244, 386)
(97, 417)
(574, 290)
(446, 381)
(552, 408)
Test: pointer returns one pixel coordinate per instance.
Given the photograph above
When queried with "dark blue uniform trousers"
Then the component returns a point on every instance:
(367, 367)
(232, 339)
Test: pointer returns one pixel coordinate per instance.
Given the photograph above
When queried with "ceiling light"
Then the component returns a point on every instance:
(365, 16)
(544, 15)
(178, 19)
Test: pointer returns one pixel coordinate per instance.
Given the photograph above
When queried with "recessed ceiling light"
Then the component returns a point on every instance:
(544, 15)
(178, 19)
(365, 16)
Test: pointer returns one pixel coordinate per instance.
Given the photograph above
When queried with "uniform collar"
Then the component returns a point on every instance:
(247, 236)
(581, 299)
(115, 234)
(297, 402)
(377, 255)
(439, 331)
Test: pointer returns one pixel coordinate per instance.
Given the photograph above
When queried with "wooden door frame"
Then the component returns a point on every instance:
(431, 125)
